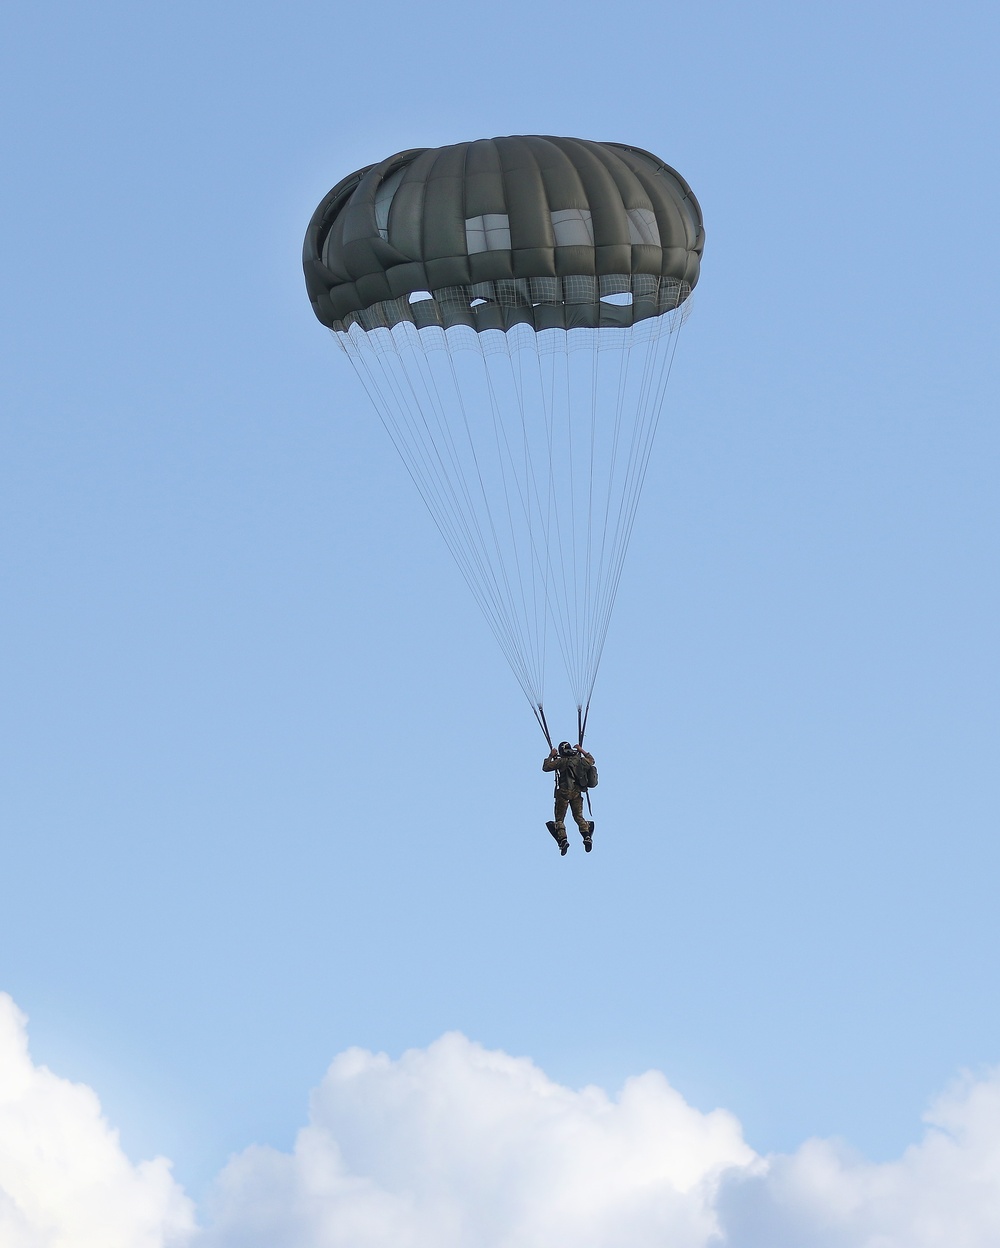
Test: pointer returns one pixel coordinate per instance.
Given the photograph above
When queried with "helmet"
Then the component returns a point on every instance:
(566, 750)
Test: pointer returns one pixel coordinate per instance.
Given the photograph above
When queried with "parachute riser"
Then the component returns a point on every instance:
(540, 716)
(581, 723)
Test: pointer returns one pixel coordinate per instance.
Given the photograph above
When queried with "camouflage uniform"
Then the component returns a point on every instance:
(568, 793)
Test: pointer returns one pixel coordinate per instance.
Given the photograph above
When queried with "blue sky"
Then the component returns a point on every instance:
(252, 723)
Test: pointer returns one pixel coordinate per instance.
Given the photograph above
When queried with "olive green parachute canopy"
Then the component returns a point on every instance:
(550, 233)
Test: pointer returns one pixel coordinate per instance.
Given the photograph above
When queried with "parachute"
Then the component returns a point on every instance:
(511, 307)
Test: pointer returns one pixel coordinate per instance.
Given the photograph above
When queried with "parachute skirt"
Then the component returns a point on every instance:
(615, 300)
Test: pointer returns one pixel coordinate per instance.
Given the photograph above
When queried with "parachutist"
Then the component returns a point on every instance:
(575, 775)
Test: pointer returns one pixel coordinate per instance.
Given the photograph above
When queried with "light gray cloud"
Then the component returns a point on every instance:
(455, 1145)
(942, 1193)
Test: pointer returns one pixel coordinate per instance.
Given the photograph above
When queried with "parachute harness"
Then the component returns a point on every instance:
(584, 789)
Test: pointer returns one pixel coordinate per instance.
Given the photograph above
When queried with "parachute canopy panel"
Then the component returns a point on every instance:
(550, 233)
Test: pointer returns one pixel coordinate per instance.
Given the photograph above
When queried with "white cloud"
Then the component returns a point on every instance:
(456, 1145)
(64, 1180)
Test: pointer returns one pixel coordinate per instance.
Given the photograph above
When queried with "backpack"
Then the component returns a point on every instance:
(582, 773)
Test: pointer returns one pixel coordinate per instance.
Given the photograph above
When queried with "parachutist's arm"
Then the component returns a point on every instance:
(551, 762)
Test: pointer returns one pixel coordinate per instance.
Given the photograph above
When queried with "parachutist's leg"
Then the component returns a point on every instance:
(576, 805)
(559, 836)
(558, 826)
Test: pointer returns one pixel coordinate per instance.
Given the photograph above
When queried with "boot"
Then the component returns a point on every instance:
(588, 837)
(559, 835)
